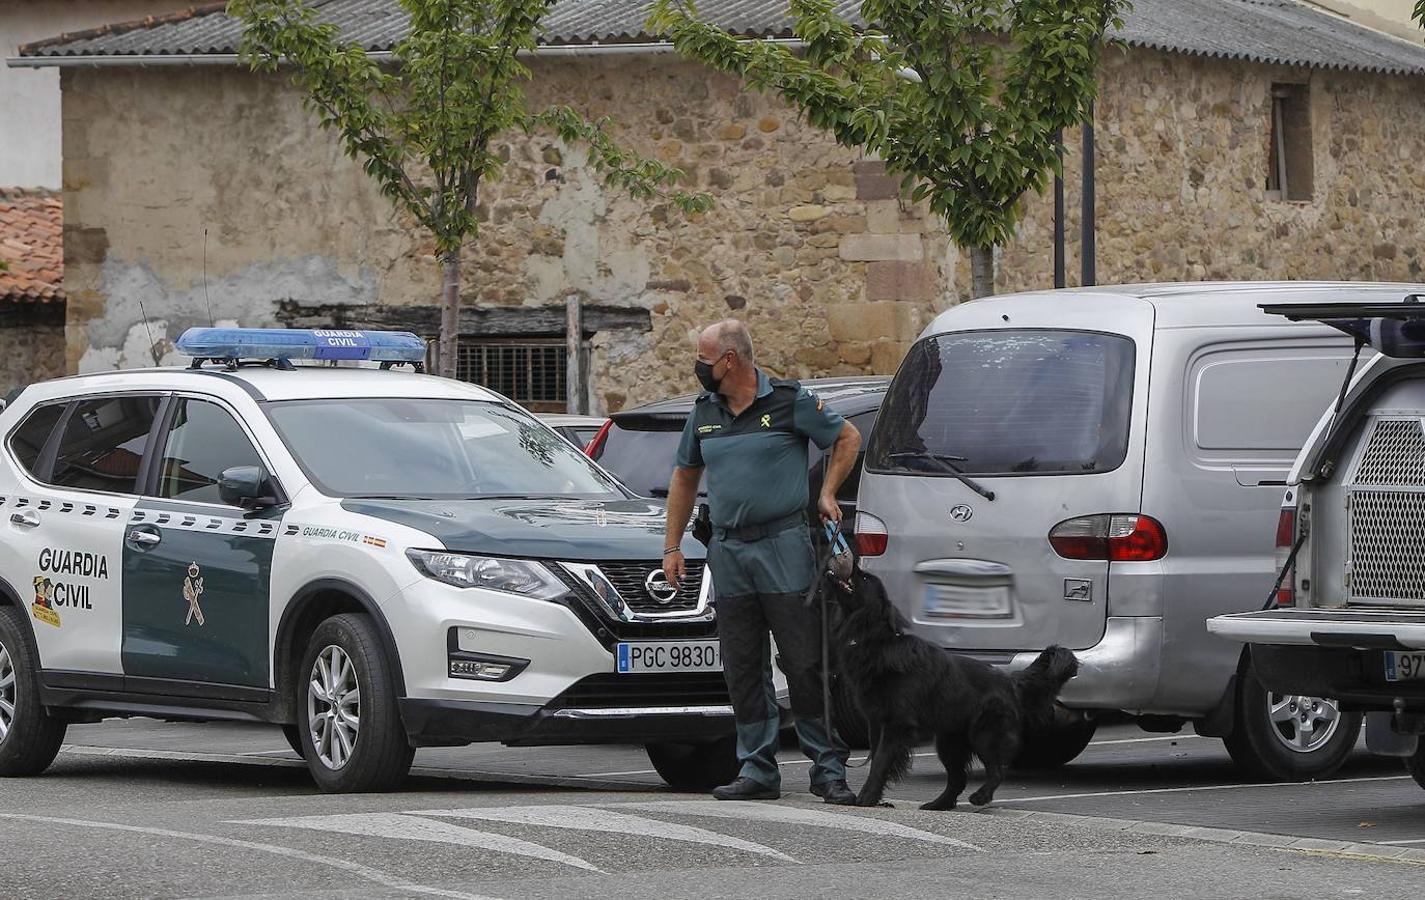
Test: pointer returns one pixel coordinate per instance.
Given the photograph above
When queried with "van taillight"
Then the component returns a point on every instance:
(597, 443)
(1117, 538)
(871, 536)
(1286, 537)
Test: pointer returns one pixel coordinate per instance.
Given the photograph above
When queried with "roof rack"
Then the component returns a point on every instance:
(278, 347)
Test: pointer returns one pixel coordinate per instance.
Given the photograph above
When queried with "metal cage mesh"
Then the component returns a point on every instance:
(1395, 455)
(1388, 546)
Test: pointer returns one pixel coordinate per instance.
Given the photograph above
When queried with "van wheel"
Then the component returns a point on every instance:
(1415, 764)
(1288, 737)
(29, 737)
(1058, 745)
(696, 767)
(350, 728)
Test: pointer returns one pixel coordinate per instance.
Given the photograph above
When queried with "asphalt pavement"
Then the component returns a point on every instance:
(140, 808)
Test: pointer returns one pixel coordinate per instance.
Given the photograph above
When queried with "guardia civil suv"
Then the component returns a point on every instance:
(375, 560)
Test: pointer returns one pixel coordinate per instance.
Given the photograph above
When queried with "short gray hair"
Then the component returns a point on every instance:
(732, 335)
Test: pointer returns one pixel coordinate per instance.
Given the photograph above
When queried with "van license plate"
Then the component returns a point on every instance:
(943, 601)
(1404, 666)
(669, 656)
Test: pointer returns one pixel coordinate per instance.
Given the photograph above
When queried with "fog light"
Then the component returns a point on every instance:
(465, 668)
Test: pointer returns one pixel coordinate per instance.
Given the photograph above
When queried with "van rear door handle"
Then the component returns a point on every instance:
(27, 519)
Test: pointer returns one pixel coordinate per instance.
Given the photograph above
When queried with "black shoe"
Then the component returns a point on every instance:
(835, 792)
(745, 789)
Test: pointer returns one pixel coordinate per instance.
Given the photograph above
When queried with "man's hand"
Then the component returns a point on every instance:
(828, 507)
(674, 567)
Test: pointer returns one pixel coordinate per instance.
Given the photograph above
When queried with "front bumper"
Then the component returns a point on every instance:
(433, 723)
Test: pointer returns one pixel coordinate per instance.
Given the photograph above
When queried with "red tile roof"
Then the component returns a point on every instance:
(31, 246)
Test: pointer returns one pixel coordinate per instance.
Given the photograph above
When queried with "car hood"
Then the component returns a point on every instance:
(544, 529)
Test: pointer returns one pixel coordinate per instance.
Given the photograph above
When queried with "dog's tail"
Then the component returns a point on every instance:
(1039, 683)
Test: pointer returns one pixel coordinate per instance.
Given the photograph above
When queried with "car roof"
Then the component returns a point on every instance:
(268, 383)
(1198, 303)
(847, 395)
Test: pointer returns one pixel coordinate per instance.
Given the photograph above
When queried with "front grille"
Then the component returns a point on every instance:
(1387, 554)
(611, 691)
(630, 578)
(1395, 455)
(609, 631)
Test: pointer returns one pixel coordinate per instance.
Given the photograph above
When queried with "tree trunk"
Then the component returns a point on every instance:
(449, 312)
(982, 272)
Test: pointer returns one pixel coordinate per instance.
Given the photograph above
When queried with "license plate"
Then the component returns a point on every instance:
(1404, 666)
(669, 656)
(944, 601)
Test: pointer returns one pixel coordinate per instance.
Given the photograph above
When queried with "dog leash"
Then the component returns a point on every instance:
(836, 545)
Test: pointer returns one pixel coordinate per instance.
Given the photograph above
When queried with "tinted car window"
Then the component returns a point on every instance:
(202, 441)
(29, 439)
(104, 443)
(642, 459)
(1008, 402)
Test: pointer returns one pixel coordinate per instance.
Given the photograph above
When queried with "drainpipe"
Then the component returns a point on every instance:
(1060, 278)
(1089, 248)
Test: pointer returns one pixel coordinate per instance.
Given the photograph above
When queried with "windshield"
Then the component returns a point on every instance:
(1008, 402)
(642, 460)
(430, 448)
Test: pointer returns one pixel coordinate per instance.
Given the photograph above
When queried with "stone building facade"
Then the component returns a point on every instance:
(208, 192)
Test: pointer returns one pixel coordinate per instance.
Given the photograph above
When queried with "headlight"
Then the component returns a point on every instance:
(513, 576)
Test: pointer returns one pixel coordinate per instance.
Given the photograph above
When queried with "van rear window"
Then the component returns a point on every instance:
(1011, 402)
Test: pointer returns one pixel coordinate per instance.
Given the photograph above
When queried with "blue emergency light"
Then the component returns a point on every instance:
(286, 344)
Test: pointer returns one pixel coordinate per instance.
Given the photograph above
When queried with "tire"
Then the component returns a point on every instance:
(293, 734)
(1059, 744)
(374, 755)
(1415, 764)
(696, 767)
(1310, 738)
(29, 737)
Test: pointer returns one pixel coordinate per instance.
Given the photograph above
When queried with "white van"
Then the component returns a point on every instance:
(1102, 468)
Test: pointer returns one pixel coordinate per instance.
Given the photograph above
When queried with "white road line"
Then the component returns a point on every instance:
(1203, 787)
(606, 821)
(1410, 841)
(1146, 740)
(616, 774)
(793, 815)
(350, 868)
(412, 828)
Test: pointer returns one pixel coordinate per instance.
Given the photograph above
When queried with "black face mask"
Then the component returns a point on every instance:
(704, 373)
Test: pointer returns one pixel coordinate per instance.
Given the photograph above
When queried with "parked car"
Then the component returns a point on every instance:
(577, 430)
(1101, 468)
(640, 445)
(374, 560)
(1348, 617)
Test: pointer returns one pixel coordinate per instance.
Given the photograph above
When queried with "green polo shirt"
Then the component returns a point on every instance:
(757, 462)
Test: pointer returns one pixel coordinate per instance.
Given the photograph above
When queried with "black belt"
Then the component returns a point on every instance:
(762, 529)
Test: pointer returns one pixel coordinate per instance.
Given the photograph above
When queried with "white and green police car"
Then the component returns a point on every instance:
(373, 559)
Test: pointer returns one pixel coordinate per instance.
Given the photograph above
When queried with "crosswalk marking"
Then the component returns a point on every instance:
(585, 818)
(794, 815)
(399, 826)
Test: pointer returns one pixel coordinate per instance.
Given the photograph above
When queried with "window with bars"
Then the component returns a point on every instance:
(529, 372)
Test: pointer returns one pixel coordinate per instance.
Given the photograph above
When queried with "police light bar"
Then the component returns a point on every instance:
(285, 344)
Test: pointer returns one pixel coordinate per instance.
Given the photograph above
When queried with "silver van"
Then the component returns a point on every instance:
(1102, 468)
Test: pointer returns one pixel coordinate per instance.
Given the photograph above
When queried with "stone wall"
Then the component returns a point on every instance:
(31, 343)
(808, 242)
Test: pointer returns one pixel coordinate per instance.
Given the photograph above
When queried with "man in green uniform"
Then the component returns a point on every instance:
(750, 433)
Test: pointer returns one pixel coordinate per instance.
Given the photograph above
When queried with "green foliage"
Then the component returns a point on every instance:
(423, 125)
(963, 97)
(1419, 13)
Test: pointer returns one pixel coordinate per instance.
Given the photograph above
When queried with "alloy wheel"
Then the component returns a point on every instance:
(1302, 724)
(333, 707)
(7, 691)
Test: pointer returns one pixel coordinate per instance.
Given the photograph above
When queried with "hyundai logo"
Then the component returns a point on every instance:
(961, 513)
(657, 586)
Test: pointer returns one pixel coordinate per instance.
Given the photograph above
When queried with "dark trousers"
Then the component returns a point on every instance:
(744, 621)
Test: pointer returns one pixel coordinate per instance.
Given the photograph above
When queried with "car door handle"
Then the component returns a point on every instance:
(27, 519)
(143, 537)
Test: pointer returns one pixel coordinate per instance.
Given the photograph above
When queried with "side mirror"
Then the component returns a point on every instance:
(247, 487)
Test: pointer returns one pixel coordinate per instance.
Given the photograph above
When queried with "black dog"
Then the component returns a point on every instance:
(911, 690)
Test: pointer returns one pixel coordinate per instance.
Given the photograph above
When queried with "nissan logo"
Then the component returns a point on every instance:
(961, 513)
(657, 586)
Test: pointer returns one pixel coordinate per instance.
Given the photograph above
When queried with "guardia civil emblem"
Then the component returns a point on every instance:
(192, 590)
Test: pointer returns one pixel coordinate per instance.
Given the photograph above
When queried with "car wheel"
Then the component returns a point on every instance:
(293, 734)
(29, 737)
(1415, 764)
(1289, 737)
(696, 767)
(1057, 745)
(350, 728)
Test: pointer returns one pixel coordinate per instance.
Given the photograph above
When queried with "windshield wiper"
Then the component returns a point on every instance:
(947, 465)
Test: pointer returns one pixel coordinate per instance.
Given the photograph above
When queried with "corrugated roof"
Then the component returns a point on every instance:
(31, 245)
(1267, 31)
